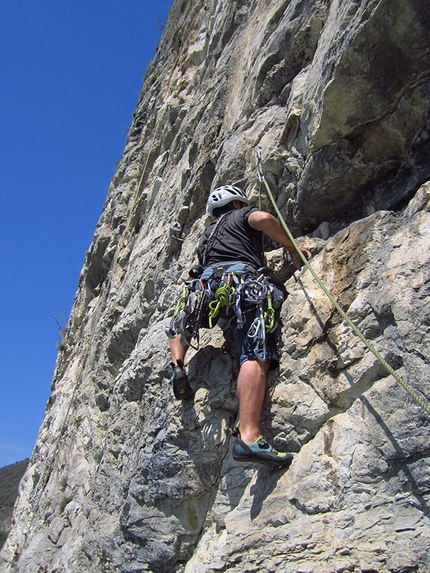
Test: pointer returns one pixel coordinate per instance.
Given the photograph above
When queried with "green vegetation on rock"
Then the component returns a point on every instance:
(10, 476)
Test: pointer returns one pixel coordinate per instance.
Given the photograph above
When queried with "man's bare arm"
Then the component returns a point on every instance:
(263, 221)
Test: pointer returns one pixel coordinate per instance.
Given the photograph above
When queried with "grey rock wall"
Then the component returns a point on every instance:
(123, 477)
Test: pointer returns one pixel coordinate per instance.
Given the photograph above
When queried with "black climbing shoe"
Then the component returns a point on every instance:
(262, 452)
(181, 387)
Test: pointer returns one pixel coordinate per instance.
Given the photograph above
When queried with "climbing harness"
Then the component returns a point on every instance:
(414, 395)
(238, 289)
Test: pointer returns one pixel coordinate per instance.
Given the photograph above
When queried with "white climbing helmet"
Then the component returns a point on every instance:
(223, 196)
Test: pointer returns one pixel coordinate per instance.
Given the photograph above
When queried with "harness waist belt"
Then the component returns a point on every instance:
(228, 267)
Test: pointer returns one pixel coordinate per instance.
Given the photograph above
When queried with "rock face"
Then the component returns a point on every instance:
(125, 478)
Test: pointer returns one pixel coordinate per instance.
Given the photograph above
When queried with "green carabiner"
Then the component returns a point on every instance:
(182, 301)
(269, 315)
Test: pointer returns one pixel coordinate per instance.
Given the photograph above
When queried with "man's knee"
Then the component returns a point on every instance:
(255, 363)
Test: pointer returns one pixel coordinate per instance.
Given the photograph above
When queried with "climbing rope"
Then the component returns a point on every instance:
(414, 395)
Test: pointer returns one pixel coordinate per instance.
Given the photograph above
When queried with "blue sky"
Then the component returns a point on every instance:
(70, 76)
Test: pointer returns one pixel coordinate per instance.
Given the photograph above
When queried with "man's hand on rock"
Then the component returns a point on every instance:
(296, 258)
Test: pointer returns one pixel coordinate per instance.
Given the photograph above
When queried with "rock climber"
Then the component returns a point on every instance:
(236, 236)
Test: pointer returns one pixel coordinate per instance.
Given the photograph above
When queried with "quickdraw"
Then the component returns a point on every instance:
(257, 332)
(189, 313)
(183, 296)
(269, 315)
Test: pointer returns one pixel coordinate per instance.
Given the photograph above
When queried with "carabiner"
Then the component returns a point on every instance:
(259, 166)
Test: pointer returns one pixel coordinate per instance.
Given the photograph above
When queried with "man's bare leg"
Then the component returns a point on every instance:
(251, 389)
(177, 351)
(181, 385)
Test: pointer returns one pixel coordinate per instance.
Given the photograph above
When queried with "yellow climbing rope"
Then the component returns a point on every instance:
(414, 395)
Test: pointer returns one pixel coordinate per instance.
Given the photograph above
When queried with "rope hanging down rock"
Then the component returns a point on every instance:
(414, 395)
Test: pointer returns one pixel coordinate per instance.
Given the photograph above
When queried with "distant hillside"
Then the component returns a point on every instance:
(10, 476)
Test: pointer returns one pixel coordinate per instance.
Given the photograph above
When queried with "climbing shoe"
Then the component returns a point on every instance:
(181, 387)
(262, 452)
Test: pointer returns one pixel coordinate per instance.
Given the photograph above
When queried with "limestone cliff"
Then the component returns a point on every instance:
(126, 479)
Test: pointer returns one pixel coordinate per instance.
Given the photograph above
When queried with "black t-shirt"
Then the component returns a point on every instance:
(233, 240)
